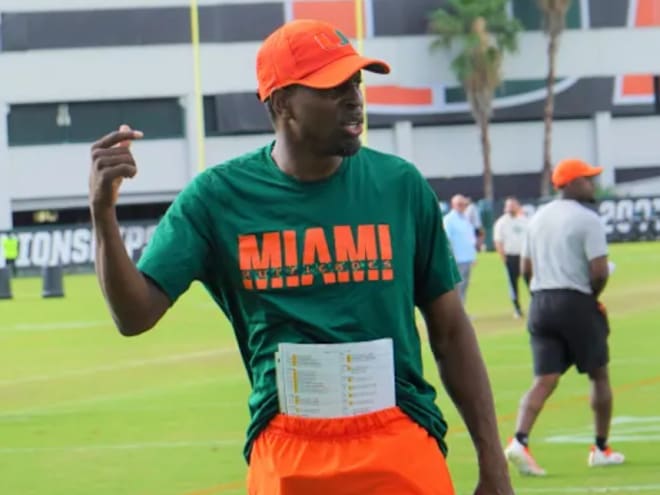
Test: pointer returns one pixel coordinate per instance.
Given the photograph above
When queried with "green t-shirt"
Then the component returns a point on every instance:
(344, 259)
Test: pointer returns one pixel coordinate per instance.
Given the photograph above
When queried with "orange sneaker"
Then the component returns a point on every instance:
(605, 457)
(520, 456)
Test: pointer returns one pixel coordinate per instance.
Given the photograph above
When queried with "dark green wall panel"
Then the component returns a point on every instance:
(38, 123)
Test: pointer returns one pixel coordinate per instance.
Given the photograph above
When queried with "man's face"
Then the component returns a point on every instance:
(327, 122)
(460, 204)
(511, 207)
(583, 189)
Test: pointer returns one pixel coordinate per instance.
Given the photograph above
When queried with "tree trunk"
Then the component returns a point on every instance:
(548, 114)
(485, 151)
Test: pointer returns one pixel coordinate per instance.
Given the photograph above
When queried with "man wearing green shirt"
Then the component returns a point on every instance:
(317, 241)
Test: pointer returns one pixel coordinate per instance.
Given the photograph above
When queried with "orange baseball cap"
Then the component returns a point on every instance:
(571, 169)
(310, 53)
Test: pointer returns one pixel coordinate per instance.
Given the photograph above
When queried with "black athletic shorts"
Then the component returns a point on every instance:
(567, 328)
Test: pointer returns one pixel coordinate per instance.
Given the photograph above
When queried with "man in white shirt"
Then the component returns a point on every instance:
(508, 234)
(564, 256)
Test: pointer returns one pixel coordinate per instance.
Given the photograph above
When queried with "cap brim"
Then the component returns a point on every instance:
(342, 70)
(592, 172)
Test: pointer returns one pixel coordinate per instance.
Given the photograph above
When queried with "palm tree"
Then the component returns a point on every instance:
(485, 31)
(554, 22)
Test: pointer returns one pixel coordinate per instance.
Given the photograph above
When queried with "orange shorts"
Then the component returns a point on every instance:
(378, 453)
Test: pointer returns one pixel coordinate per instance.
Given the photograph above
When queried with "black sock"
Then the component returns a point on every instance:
(523, 438)
(601, 443)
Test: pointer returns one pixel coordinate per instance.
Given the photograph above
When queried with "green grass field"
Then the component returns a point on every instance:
(86, 411)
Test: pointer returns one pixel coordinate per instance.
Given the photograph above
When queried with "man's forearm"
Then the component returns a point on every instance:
(124, 287)
(526, 270)
(499, 247)
(464, 375)
(598, 285)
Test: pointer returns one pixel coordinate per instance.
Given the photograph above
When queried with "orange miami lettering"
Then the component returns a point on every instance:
(272, 260)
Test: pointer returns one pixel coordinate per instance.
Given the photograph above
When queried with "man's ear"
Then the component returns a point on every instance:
(281, 104)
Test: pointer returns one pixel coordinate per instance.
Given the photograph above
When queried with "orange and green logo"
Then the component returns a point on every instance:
(329, 42)
(275, 260)
(343, 40)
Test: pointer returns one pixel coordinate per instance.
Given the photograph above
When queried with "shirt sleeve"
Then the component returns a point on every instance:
(595, 240)
(435, 267)
(526, 249)
(446, 225)
(179, 250)
(497, 230)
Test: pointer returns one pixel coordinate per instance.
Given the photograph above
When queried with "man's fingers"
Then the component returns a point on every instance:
(114, 160)
(101, 153)
(125, 170)
(116, 137)
(125, 128)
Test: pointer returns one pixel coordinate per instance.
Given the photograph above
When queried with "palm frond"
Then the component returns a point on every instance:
(484, 31)
(447, 26)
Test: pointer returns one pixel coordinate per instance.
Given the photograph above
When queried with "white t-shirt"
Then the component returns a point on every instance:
(510, 231)
(562, 238)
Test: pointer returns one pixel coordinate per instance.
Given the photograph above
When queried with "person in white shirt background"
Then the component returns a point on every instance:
(474, 216)
(508, 235)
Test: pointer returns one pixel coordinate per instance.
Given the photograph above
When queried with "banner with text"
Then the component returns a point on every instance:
(625, 220)
(71, 246)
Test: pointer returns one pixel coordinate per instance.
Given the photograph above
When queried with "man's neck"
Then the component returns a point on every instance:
(584, 202)
(301, 163)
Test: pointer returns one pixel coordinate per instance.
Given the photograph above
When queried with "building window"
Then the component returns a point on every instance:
(84, 122)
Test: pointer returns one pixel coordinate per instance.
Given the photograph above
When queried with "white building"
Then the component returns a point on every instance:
(72, 70)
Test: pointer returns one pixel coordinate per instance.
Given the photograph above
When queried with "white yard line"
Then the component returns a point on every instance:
(38, 414)
(120, 366)
(623, 420)
(592, 489)
(122, 446)
(47, 327)
(624, 429)
(589, 439)
(79, 404)
(613, 362)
